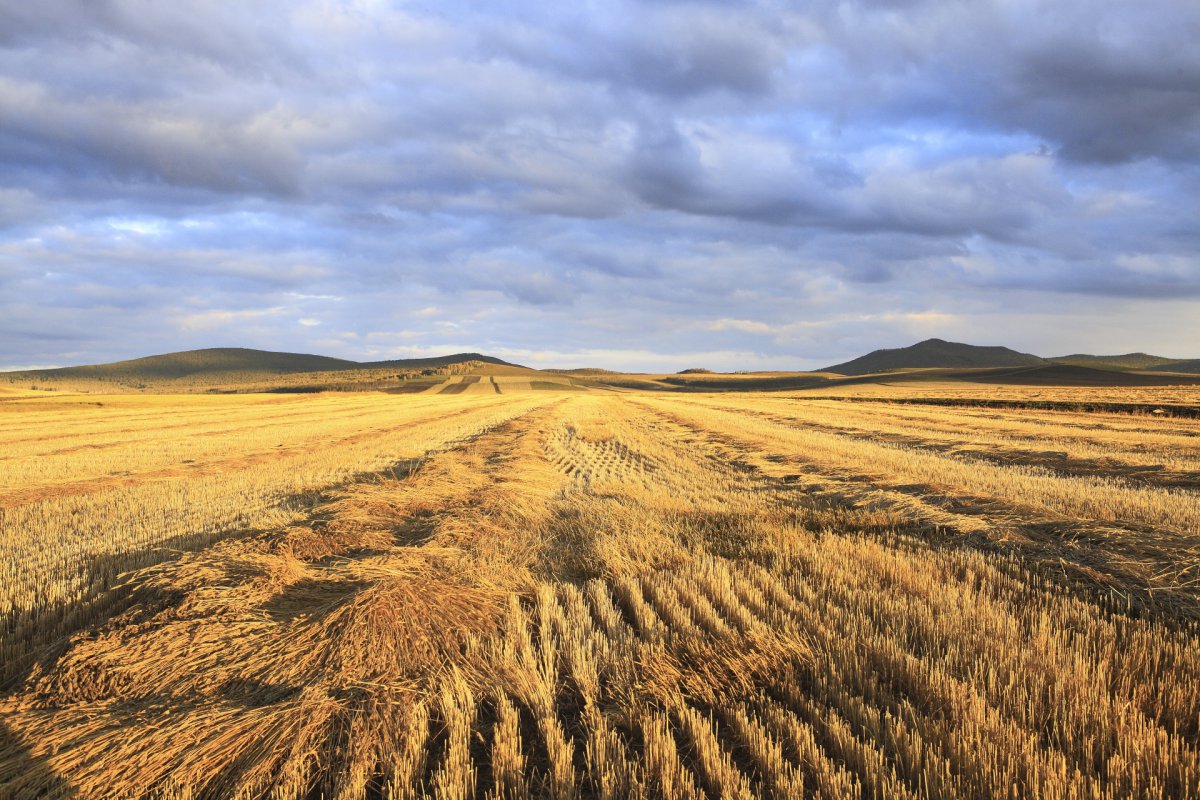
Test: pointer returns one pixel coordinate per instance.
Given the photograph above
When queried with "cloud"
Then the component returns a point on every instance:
(743, 325)
(222, 318)
(676, 50)
(733, 184)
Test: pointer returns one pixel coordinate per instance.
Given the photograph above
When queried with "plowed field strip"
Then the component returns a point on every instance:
(1109, 502)
(67, 548)
(199, 438)
(1172, 441)
(207, 423)
(1051, 422)
(241, 461)
(151, 413)
(1142, 471)
(1148, 565)
(1166, 408)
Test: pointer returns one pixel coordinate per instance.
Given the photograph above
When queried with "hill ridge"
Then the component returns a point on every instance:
(1138, 360)
(233, 360)
(935, 353)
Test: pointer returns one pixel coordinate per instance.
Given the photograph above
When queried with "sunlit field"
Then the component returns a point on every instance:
(510, 589)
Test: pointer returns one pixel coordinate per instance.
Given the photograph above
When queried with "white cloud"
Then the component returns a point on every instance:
(221, 318)
(742, 325)
(675, 184)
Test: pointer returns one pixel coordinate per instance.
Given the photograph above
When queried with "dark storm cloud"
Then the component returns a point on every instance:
(1116, 101)
(630, 183)
(744, 178)
(1097, 81)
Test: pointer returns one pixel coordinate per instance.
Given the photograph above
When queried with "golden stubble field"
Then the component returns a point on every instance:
(576, 594)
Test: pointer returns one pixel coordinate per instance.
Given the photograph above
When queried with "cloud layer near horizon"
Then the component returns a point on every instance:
(641, 185)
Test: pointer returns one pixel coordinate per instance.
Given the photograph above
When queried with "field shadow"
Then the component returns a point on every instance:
(1121, 568)
(33, 775)
(40, 640)
(250, 693)
(311, 598)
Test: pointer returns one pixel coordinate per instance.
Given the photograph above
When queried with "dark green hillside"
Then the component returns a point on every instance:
(197, 362)
(936, 353)
(1126, 361)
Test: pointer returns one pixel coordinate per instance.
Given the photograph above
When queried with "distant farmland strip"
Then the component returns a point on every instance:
(555, 386)
(413, 387)
(459, 386)
(1167, 409)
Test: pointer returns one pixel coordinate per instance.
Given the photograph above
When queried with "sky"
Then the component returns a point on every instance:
(648, 186)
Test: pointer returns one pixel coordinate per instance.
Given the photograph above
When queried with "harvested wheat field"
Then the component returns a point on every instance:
(495, 592)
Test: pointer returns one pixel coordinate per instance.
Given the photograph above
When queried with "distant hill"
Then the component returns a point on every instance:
(426, 363)
(1071, 375)
(194, 362)
(585, 371)
(218, 362)
(1126, 361)
(934, 353)
(1189, 366)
